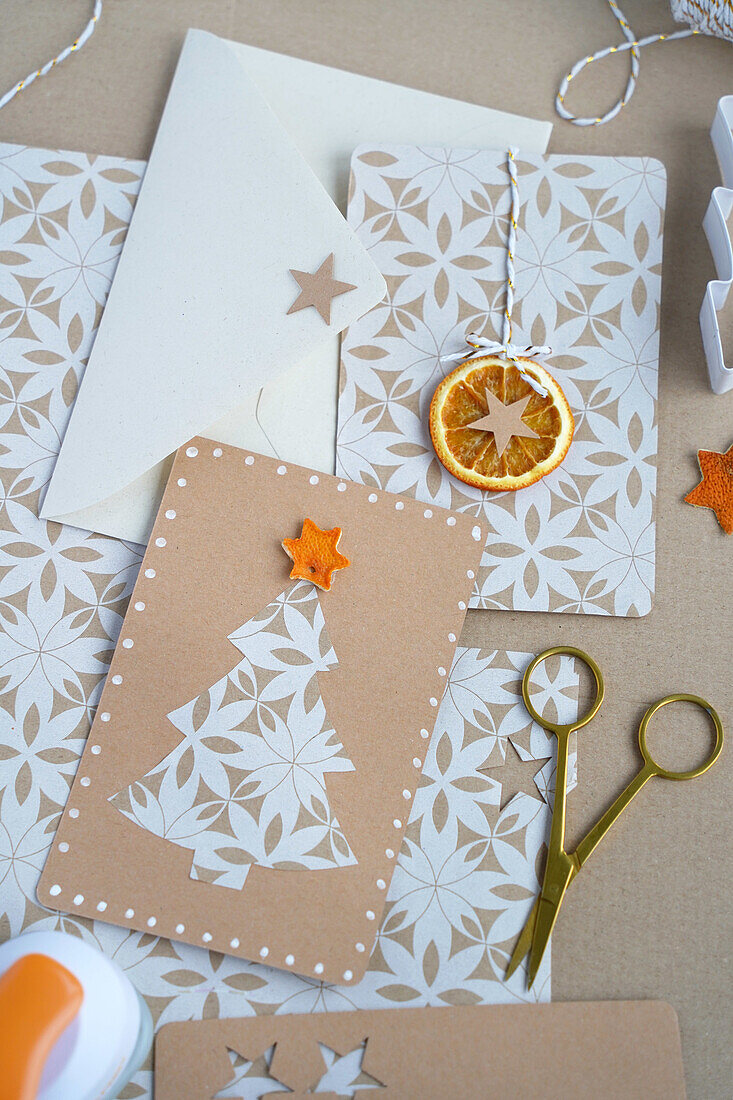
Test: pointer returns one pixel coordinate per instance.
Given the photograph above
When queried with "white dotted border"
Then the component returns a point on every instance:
(128, 643)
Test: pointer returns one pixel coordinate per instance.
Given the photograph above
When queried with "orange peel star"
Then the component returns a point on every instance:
(315, 555)
(716, 488)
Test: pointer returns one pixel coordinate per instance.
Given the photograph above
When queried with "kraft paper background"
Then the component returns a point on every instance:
(653, 914)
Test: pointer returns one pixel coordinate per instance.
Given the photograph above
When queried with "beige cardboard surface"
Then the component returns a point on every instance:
(652, 915)
(557, 1052)
(213, 563)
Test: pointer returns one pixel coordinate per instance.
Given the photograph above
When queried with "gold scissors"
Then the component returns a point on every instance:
(562, 867)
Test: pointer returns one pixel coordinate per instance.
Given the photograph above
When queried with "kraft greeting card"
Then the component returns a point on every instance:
(544, 1052)
(254, 757)
(587, 284)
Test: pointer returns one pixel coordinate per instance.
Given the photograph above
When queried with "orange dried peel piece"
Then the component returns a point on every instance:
(716, 488)
(315, 555)
(470, 454)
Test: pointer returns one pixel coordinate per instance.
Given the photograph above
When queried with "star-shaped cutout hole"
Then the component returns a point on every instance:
(517, 776)
(315, 555)
(248, 1075)
(318, 289)
(345, 1076)
(716, 488)
(504, 421)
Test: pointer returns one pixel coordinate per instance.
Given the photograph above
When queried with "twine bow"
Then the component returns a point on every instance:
(481, 345)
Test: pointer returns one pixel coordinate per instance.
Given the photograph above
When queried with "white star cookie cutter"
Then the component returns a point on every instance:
(716, 313)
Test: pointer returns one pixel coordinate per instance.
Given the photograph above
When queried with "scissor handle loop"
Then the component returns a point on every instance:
(667, 773)
(564, 651)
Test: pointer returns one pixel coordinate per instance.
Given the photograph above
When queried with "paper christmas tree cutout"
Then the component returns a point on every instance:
(247, 783)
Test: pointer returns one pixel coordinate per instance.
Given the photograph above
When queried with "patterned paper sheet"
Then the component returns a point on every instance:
(468, 870)
(588, 263)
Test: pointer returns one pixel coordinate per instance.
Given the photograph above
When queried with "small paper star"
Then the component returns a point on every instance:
(317, 289)
(716, 488)
(504, 421)
(314, 555)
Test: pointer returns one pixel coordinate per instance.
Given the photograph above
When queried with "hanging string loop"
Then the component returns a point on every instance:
(76, 45)
(481, 345)
(634, 45)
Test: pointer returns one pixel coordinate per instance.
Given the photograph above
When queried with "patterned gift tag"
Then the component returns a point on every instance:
(588, 269)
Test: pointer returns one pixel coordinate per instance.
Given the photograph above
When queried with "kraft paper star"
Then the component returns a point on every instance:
(318, 288)
(314, 555)
(716, 488)
(504, 421)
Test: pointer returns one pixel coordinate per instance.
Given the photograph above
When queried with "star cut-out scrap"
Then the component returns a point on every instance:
(716, 488)
(504, 421)
(315, 555)
(516, 775)
(318, 289)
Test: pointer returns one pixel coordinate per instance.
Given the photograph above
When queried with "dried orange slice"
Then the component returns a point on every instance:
(468, 395)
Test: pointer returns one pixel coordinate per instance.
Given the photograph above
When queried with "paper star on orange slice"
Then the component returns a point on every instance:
(314, 555)
(504, 421)
(716, 488)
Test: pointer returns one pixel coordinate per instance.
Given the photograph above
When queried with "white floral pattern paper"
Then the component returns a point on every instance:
(247, 783)
(454, 905)
(588, 283)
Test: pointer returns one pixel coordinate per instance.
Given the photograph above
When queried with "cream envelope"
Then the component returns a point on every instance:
(199, 313)
(157, 374)
(328, 113)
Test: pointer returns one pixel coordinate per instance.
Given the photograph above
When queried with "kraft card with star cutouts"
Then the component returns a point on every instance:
(541, 1052)
(587, 285)
(253, 761)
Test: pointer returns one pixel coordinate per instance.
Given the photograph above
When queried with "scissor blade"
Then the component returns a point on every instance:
(550, 900)
(546, 916)
(524, 943)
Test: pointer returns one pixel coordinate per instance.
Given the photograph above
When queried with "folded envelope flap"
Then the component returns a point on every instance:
(197, 316)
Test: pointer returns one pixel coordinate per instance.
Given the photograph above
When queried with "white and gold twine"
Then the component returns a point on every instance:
(76, 45)
(481, 345)
(712, 17)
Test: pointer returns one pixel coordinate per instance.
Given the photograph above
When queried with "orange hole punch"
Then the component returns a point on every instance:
(38, 1000)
